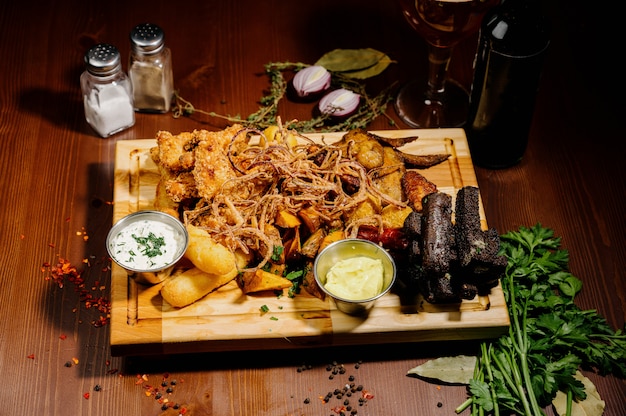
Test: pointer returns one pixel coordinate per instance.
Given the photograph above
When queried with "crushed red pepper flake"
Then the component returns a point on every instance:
(83, 233)
(31, 356)
(64, 271)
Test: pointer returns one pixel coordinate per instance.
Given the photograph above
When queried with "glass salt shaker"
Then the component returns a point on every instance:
(107, 92)
(150, 69)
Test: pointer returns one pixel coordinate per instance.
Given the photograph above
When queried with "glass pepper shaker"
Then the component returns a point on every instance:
(150, 69)
(107, 92)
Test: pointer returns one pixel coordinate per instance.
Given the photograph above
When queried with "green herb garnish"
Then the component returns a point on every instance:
(151, 245)
(549, 339)
(349, 69)
(293, 275)
(278, 251)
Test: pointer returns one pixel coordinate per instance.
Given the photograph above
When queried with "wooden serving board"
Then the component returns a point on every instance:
(143, 323)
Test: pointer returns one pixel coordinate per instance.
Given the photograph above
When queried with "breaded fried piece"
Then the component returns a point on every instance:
(389, 179)
(364, 149)
(163, 202)
(416, 187)
(182, 187)
(175, 152)
(177, 186)
(213, 168)
(221, 138)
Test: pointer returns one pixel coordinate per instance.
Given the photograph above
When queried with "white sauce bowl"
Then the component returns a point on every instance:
(170, 230)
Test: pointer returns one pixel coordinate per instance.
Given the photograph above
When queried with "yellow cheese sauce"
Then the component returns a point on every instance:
(146, 245)
(355, 278)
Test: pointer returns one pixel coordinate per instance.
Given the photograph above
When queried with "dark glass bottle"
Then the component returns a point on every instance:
(513, 41)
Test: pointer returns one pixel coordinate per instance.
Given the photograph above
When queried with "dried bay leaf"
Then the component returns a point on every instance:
(355, 62)
(451, 370)
(593, 405)
(372, 71)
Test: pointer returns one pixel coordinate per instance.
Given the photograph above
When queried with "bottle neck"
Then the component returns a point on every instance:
(517, 28)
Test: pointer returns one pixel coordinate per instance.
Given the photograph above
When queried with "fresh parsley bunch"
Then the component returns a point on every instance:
(549, 339)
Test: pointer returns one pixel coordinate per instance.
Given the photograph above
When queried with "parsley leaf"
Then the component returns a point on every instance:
(550, 338)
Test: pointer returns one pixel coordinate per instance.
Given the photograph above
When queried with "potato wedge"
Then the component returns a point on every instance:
(331, 237)
(286, 219)
(261, 281)
(393, 217)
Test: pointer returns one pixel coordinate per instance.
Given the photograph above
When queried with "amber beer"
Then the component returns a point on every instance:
(445, 22)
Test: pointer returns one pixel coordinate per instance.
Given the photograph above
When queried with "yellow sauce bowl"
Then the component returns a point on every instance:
(346, 249)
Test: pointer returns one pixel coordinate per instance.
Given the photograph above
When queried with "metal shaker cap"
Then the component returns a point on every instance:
(147, 38)
(103, 59)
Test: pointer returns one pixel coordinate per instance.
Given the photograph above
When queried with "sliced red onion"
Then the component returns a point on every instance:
(311, 80)
(339, 103)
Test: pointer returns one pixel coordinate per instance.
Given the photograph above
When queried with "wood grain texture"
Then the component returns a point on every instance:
(57, 179)
(226, 319)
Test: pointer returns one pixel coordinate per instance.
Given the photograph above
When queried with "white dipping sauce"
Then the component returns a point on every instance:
(146, 245)
(356, 278)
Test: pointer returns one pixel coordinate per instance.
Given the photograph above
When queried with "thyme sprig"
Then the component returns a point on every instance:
(267, 114)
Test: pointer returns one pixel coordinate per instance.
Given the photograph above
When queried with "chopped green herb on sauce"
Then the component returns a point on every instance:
(146, 245)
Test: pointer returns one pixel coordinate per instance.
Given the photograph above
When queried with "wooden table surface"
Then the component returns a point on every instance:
(57, 176)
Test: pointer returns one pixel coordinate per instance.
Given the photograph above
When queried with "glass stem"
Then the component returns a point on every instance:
(438, 60)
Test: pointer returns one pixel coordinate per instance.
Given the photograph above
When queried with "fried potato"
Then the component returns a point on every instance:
(261, 281)
(207, 254)
(191, 285)
(331, 237)
(310, 284)
(366, 209)
(393, 217)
